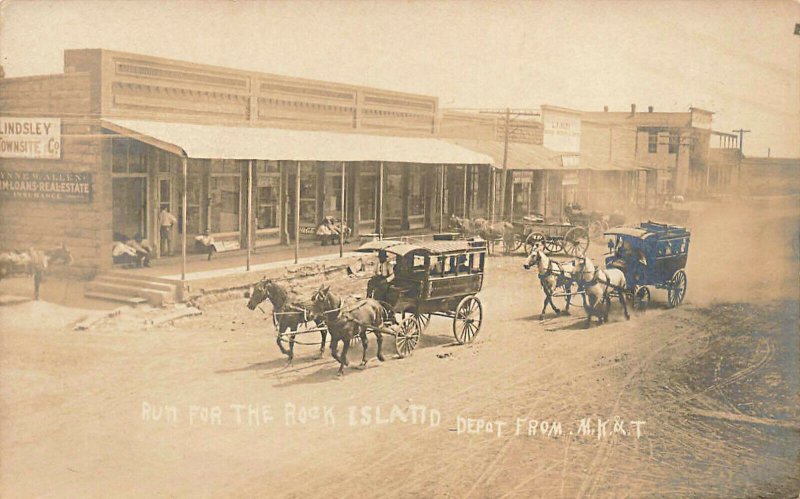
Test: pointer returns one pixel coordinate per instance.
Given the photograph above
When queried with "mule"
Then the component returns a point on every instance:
(286, 314)
(598, 285)
(346, 322)
(463, 226)
(553, 276)
(491, 232)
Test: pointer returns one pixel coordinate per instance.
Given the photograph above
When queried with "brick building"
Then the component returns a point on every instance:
(127, 125)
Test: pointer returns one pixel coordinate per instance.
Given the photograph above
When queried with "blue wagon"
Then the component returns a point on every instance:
(653, 254)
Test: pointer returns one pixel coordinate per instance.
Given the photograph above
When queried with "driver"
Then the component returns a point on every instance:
(378, 284)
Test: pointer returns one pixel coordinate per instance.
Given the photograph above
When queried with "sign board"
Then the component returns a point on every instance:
(308, 229)
(701, 119)
(562, 130)
(46, 186)
(570, 178)
(523, 177)
(32, 138)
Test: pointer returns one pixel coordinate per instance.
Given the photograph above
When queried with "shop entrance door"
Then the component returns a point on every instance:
(129, 212)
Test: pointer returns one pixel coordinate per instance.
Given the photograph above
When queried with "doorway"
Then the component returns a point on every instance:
(129, 210)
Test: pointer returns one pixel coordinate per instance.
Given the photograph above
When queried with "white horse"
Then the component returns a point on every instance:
(598, 284)
(552, 276)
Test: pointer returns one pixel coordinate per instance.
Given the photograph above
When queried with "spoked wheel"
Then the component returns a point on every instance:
(677, 289)
(641, 298)
(467, 320)
(596, 230)
(553, 246)
(518, 242)
(407, 338)
(533, 239)
(576, 241)
(423, 320)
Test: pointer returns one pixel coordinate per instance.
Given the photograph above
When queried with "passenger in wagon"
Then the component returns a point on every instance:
(378, 285)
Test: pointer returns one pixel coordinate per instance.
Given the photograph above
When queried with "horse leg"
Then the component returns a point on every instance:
(324, 333)
(363, 334)
(624, 305)
(552, 303)
(379, 339)
(343, 356)
(568, 291)
(291, 347)
(281, 329)
(334, 348)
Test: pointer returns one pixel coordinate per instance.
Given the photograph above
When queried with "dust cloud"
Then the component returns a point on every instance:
(745, 250)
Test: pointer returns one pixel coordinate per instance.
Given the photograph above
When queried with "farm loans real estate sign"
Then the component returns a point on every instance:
(31, 138)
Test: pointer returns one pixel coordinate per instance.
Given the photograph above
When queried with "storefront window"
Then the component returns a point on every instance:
(268, 188)
(119, 162)
(367, 197)
(194, 184)
(333, 193)
(308, 195)
(224, 194)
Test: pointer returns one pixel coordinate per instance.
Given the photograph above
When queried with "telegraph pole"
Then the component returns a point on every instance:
(507, 120)
(741, 133)
(741, 137)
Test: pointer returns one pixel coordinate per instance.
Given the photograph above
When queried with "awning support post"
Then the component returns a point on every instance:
(464, 208)
(380, 203)
(441, 200)
(249, 211)
(297, 213)
(184, 168)
(344, 216)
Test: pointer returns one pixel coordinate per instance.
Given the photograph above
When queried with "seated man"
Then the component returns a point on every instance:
(378, 285)
(205, 244)
(122, 253)
(143, 250)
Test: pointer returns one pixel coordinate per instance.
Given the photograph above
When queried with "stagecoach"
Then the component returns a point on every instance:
(439, 277)
(653, 254)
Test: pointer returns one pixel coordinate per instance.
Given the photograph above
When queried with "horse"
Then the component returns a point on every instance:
(286, 314)
(491, 232)
(346, 322)
(552, 276)
(33, 262)
(463, 226)
(596, 284)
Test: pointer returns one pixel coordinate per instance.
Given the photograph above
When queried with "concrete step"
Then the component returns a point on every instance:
(137, 283)
(130, 300)
(155, 297)
(138, 277)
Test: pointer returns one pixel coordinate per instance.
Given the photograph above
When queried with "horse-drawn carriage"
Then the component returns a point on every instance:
(653, 254)
(554, 237)
(434, 278)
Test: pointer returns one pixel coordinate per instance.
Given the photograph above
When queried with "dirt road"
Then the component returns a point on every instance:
(699, 401)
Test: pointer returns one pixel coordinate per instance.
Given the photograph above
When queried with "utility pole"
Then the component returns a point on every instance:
(741, 138)
(507, 121)
(741, 133)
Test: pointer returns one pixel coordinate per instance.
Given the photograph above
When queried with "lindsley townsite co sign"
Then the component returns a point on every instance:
(46, 186)
(33, 138)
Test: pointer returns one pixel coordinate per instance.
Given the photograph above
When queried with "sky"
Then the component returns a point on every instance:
(739, 59)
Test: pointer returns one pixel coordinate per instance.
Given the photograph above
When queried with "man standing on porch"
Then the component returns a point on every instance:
(165, 223)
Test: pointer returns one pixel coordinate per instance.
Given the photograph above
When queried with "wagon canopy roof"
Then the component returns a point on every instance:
(242, 142)
(648, 230)
(402, 248)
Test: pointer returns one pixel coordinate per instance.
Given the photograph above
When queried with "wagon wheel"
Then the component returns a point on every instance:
(641, 298)
(677, 289)
(576, 241)
(407, 336)
(533, 239)
(596, 230)
(553, 245)
(467, 320)
(423, 320)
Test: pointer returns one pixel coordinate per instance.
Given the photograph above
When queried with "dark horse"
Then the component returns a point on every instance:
(346, 322)
(33, 262)
(286, 314)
